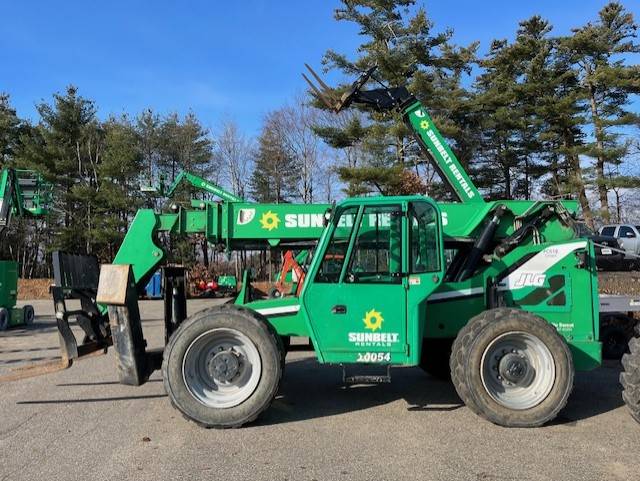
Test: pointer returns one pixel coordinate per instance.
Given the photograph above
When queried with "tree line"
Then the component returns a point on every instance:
(103, 171)
(540, 115)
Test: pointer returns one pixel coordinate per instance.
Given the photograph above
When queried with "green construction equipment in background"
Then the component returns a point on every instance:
(23, 193)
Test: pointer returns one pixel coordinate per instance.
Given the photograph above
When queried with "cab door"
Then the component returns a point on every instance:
(356, 302)
(356, 298)
(425, 270)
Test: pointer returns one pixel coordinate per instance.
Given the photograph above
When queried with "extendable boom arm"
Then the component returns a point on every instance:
(207, 186)
(417, 119)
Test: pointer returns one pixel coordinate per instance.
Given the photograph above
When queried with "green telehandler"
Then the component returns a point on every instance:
(500, 296)
(23, 193)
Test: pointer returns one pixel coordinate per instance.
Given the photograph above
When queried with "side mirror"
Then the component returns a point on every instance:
(329, 214)
(327, 218)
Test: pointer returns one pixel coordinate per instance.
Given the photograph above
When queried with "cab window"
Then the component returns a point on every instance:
(377, 252)
(423, 238)
(333, 260)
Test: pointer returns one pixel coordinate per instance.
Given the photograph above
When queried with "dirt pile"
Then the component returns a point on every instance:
(31, 289)
(621, 283)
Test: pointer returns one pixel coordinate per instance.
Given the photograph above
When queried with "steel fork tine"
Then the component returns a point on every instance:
(321, 95)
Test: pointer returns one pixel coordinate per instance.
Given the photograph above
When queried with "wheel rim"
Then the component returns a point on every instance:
(221, 368)
(518, 370)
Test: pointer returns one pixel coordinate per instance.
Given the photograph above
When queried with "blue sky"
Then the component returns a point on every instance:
(220, 59)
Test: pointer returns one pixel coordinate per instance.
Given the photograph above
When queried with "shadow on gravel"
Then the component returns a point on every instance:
(28, 330)
(594, 393)
(93, 400)
(310, 391)
(25, 360)
(99, 383)
(33, 349)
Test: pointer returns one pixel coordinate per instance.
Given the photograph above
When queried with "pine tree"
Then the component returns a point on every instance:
(398, 38)
(597, 51)
(10, 129)
(67, 149)
(118, 196)
(500, 120)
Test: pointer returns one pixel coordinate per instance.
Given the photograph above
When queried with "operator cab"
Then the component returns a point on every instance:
(376, 264)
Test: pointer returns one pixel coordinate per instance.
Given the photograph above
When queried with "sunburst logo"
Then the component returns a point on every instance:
(373, 320)
(424, 125)
(269, 220)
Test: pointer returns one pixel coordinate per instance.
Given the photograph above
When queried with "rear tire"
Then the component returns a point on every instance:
(512, 368)
(223, 366)
(630, 378)
(28, 314)
(4, 319)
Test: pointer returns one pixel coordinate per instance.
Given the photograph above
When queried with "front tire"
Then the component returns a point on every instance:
(223, 366)
(28, 315)
(4, 318)
(512, 368)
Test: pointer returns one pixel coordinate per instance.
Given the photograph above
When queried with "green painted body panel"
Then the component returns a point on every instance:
(450, 169)
(8, 283)
(464, 220)
(4, 185)
(574, 311)
(228, 282)
(139, 248)
(287, 324)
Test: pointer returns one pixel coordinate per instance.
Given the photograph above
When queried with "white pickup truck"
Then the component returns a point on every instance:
(628, 236)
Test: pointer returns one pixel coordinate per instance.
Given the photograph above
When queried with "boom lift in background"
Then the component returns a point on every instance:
(509, 316)
(23, 193)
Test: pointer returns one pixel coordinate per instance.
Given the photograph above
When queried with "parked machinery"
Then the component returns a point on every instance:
(23, 193)
(510, 316)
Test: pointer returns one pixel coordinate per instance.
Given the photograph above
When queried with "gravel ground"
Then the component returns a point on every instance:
(81, 424)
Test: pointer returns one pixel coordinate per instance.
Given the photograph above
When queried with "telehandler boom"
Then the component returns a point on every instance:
(499, 296)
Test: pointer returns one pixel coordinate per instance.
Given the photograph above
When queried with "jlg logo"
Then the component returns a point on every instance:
(530, 279)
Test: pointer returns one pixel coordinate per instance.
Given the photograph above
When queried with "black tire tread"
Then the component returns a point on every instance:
(630, 378)
(461, 349)
(6, 316)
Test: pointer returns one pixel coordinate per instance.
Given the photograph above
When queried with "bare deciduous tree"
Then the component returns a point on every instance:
(234, 153)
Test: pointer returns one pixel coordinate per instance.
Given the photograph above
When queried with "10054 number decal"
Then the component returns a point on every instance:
(374, 357)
